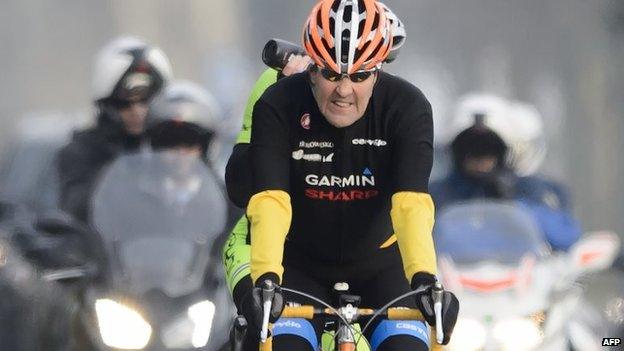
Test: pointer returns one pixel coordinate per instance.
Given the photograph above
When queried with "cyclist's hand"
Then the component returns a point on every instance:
(424, 283)
(252, 306)
(296, 64)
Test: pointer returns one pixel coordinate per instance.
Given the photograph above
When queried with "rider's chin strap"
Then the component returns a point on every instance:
(269, 214)
(412, 218)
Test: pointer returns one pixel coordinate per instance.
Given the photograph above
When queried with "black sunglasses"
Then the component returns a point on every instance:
(356, 77)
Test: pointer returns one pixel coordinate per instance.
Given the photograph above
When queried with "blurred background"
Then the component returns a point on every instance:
(564, 56)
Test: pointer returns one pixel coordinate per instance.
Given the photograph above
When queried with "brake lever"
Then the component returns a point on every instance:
(436, 293)
(268, 290)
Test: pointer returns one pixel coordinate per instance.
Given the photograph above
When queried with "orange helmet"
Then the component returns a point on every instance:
(347, 35)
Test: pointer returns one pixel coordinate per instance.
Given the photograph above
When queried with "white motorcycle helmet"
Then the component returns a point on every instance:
(397, 28)
(183, 112)
(528, 144)
(128, 68)
(518, 124)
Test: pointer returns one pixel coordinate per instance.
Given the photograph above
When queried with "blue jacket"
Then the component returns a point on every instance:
(546, 200)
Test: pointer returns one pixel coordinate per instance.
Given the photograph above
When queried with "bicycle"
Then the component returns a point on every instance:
(345, 335)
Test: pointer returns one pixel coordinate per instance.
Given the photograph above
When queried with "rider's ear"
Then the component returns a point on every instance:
(312, 77)
(376, 75)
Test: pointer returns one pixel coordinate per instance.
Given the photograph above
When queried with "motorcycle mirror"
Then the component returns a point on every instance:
(83, 251)
(594, 252)
(59, 223)
(69, 274)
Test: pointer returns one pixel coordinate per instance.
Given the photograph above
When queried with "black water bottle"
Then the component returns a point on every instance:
(277, 53)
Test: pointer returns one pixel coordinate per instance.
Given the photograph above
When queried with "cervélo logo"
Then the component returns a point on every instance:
(372, 142)
(287, 323)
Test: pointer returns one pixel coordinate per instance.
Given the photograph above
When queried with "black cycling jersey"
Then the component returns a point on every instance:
(341, 180)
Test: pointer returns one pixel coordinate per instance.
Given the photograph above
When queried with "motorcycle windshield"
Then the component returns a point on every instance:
(474, 232)
(158, 215)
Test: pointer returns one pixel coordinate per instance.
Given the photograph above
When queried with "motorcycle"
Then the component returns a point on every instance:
(160, 218)
(603, 294)
(516, 293)
(34, 312)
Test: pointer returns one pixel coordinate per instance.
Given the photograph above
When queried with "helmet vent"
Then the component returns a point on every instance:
(346, 37)
(379, 46)
(375, 22)
(358, 53)
(319, 19)
(346, 15)
(361, 6)
(361, 27)
(326, 46)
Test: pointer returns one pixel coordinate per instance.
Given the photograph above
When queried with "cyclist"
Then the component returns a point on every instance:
(185, 120)
(238, 174)
(238, 177)
(344, 151)
(128, 74)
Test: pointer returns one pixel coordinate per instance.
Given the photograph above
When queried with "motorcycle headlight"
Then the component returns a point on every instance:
(192, 329)
(120, 326)
(517, 334)
(468, 335)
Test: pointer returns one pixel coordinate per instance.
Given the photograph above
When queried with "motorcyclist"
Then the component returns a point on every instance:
(519, 124)
(185, 118)
(481, 169)
(127, 74)
(185, 121)
(269, 206)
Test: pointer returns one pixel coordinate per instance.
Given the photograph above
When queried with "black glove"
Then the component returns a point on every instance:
(252, 305)
(424, 283)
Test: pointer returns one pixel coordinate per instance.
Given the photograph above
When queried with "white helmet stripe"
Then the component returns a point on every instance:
(159, 60)
(355, 23)
(338, 33)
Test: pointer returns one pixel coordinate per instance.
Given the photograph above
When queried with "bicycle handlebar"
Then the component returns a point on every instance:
(309, 312)
(393, 313)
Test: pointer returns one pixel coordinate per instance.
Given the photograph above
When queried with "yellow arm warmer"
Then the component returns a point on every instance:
(269, 214)
(412, 218)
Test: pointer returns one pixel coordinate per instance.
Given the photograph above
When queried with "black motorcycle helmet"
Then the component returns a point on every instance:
(184, 115)
(478, 141)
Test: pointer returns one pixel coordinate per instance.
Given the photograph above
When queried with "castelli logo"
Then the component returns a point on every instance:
(305, 121)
